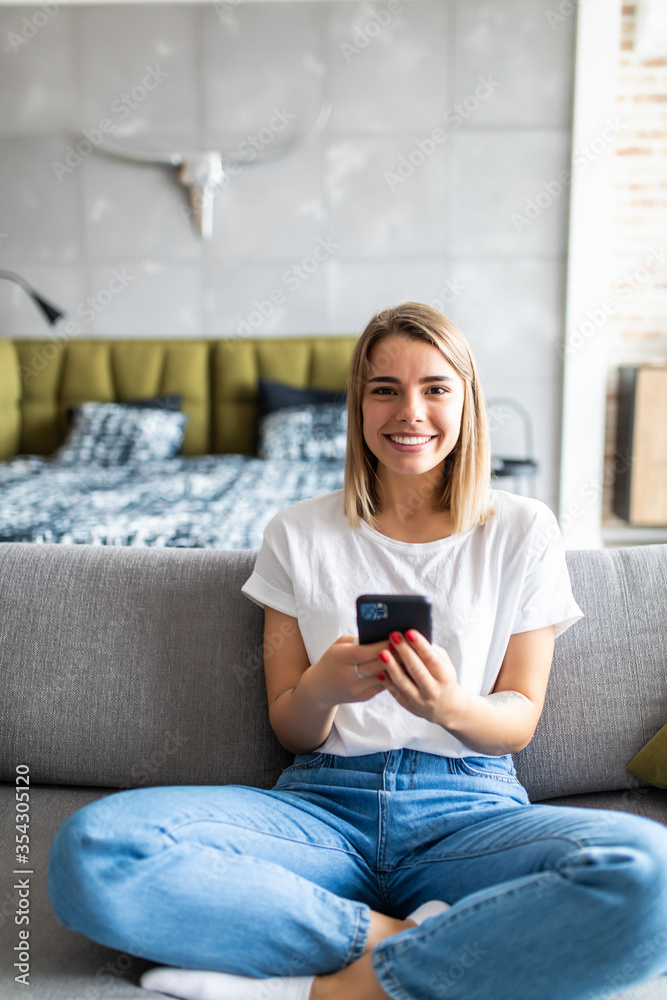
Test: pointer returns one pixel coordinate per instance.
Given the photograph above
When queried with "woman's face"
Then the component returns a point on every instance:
(411, 404)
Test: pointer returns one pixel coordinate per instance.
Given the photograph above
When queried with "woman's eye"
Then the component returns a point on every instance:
(383, 389)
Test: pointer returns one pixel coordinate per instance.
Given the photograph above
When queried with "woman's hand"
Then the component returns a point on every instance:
(421, 677)
(335, 680)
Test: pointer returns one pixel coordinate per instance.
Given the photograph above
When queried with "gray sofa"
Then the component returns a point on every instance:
(126, 667)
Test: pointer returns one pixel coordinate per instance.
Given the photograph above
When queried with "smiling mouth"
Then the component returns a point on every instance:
(408, 439)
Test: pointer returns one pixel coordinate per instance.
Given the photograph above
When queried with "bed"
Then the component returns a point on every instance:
(219, 502)
(166, 443)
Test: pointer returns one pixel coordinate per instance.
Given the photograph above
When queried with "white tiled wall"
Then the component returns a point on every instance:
(447, 117)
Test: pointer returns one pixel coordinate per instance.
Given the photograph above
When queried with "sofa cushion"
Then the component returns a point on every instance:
(124, 667)
(64, 964)
(648, 802)
(607, 694)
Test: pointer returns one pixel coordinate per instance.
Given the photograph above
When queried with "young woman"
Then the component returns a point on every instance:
(399, 856)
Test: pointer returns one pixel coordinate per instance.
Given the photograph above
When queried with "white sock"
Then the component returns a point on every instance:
(426, 910)
(201, 984)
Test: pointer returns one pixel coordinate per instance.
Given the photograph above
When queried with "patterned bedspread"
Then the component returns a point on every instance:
(208, 501)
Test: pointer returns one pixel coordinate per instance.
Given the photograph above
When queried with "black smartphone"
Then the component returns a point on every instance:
(380, 614)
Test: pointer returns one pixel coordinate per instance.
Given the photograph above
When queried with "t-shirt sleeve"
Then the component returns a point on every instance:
(271, 581)
(546, 593)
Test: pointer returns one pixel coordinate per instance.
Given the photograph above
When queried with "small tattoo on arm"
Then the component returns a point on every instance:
(284, 692)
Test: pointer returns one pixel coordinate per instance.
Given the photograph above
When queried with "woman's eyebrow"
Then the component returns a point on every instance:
(427, 378)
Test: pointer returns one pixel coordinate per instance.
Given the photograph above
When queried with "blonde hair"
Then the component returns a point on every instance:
(467, 471)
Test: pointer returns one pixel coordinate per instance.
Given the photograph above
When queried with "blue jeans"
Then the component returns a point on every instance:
(548, 902)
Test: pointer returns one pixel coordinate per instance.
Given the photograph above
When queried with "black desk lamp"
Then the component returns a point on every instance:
(515, 468)
(50, 312)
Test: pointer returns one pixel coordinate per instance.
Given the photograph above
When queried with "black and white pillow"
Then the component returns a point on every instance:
(109, 434)
(172, 401)
(304, 433)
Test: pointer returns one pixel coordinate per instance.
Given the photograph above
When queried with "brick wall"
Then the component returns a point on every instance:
(637, 331)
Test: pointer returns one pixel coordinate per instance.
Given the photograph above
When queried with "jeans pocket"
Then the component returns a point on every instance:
(498, 768)
(304, 761)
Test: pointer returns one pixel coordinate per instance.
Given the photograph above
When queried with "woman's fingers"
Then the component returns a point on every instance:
(408, 652)
(397, 672)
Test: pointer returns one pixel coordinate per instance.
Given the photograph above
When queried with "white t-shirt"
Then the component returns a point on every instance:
(508, 575)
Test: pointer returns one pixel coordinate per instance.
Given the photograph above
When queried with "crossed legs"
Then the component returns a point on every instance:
(548, 901)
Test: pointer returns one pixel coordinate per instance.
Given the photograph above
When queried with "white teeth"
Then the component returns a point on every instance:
(399, 439)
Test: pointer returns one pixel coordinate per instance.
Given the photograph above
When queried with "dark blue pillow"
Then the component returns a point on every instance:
(272, 396)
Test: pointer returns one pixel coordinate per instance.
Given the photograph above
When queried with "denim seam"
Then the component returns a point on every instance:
(483, 854)
(358, 944)
(413, 768)
(472, 773)
(386, 977)
(251, 829)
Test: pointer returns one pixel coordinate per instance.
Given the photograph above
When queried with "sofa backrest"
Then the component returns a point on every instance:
(607, 692)
(124, 667)
(40, 379)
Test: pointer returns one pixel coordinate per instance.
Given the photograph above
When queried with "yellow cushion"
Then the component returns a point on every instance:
(10, 400)
(317, 362)
(42, 425)
(216, 378)
(58, 375)
(651, 761)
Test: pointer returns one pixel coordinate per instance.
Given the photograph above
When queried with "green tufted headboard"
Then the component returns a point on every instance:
(40, 379)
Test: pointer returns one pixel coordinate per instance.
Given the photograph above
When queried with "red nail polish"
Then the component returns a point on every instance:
(411, 635)
(384, 656)
(395, 637)
(381, 677)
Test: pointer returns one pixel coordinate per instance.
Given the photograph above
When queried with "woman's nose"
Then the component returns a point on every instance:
(411, 406)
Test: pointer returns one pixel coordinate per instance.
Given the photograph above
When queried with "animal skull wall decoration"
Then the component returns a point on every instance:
(204, 173)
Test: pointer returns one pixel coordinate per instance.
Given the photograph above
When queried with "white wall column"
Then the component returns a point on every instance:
(589, 274)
